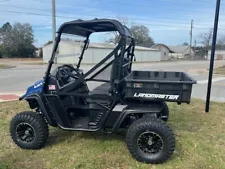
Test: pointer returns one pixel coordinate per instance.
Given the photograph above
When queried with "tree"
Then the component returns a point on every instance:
(17, 40)
(114, 39)
(114, 36)
(6, 27)
(5, 31)
(206, 38)
(185, 44)
(1, 50)
(140, 34)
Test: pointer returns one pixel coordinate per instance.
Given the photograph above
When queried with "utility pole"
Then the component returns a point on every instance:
(191, 37)
(195, 49)
(53, 21)
(217, 13)
(53, 25)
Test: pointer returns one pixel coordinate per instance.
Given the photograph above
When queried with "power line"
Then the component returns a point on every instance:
(76, 8)
(155, 3)
(166, 14)
(142, 6)
(186, 1)
(60, 16)
(163, 2)
(43, 1)
(19, 7)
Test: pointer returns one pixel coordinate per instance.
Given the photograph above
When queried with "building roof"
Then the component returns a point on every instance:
(101, 45)
(160, 44)
(174, 49)
(178, 49)
(112, 46)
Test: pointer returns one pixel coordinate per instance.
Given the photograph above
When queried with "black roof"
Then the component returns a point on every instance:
(87, 27)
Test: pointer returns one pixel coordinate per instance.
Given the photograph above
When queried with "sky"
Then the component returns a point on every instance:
(167, 20)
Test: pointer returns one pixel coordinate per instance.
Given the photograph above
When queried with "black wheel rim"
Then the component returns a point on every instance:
(25, 132)
(150, 143)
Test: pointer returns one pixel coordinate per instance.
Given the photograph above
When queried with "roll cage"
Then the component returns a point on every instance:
(83, 28)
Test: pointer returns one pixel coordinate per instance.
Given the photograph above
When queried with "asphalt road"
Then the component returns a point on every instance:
(19, 78)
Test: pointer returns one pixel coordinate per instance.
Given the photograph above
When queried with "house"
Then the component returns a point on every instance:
(174, 52)
(165, 50)
(181, 52)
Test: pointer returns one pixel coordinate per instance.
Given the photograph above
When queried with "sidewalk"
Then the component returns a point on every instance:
(4, 97)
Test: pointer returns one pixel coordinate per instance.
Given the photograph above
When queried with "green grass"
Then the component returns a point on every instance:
(200, 143)
(220, 70)
(3, 66)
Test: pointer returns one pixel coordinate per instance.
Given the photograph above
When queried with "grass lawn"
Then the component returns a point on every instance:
(220, 70)
(200, 143)
(3, 66)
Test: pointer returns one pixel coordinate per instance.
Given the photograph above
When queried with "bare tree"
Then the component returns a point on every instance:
(206, 38)
(185, 44)
(115, 38)
(140, 34)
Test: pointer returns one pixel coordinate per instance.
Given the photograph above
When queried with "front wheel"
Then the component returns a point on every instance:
(29, 130)
(150, 140)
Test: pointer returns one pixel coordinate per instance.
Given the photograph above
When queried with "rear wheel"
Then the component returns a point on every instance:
(29, 130)
(150, 140)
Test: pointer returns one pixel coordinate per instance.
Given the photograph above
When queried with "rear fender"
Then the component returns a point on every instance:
(138, 111)
(36, 101)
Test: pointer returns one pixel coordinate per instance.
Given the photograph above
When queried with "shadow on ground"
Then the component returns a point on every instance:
(57, 136)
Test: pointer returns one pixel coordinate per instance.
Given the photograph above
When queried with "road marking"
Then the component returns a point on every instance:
(213, 80)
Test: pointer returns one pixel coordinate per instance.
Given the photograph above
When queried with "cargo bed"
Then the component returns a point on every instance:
(159, 85)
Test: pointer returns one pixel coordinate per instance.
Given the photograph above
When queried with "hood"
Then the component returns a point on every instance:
(36, 88)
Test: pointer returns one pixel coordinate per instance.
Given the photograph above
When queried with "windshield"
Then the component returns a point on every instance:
(70, 49)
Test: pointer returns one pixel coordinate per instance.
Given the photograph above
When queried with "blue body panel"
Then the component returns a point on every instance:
(36, 88)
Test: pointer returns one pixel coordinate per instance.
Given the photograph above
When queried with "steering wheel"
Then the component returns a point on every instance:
(66, 71)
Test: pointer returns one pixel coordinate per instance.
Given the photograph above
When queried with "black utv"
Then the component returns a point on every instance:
(126, 99)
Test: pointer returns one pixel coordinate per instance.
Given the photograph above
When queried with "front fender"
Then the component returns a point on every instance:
(43, 107)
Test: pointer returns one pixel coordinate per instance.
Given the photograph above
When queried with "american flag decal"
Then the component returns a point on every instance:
(51, 87)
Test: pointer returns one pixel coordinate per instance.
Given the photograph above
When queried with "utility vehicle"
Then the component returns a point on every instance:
(126, 99)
